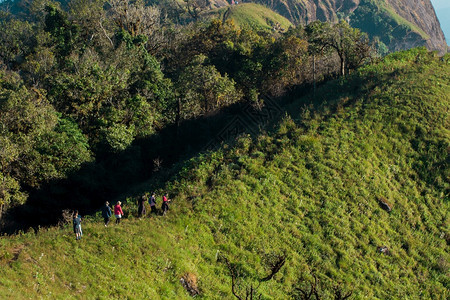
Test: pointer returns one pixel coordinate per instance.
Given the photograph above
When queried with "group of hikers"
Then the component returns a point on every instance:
(107, 212)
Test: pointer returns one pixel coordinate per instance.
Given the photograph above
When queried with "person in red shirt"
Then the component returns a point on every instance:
(165, 204)
(118, 212)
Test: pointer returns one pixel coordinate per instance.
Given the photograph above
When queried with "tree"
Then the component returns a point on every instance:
(304, 292)
(284, 64)
(249, 291)
(134, 17)
(37, 143)
(96, 27)
(64, 32)
(203, 89)
(16, 40)
(350, 44)
(113, 100)
(195, 7)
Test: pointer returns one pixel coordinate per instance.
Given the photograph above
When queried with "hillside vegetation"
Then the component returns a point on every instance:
(255, 16)
(307, 190)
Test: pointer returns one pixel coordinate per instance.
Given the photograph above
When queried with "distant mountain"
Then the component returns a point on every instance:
(400, 24)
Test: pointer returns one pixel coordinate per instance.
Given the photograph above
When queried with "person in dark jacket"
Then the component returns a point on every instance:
(152, 202)
(141, 206)
(106, 213)
(77, 225)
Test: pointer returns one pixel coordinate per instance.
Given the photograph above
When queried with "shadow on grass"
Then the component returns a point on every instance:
(111, 175)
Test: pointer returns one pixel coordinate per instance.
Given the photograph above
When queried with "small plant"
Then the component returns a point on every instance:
(305, 292)
(238, 289)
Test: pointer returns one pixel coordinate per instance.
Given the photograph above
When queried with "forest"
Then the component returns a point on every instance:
(87, 87)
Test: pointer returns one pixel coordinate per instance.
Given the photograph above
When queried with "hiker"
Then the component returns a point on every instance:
(165, 204)
(106, 213)
(141, 206)
(77, 225)
(152, 202)
(118, 212)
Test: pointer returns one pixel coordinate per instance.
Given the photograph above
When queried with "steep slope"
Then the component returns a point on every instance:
(422, 14)
(309, 190)
(411, 23)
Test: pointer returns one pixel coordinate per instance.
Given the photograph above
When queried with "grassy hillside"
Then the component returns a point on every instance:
(307, 189)
(255, 16)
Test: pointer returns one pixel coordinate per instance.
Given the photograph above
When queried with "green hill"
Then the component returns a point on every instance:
(308, 190)
(255, 16)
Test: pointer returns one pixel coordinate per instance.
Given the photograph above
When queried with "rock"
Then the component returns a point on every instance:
(384, 250)
(189, 282)
(384, 204)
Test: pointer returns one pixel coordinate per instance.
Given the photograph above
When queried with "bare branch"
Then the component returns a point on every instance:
(233, 277)
(338, 294)
(106, 34)
(275, 268)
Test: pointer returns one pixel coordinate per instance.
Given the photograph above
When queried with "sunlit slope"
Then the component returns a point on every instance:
(253, 15)
(309, 190)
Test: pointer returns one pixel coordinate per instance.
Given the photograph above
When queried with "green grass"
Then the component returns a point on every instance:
(308, 189)
(255, 16)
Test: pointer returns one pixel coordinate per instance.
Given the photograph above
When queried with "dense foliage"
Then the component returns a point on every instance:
(82, 80)
(308, 191)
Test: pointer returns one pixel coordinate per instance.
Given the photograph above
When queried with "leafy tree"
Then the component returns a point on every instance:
(96, 28)
(203, 89)
(350, 44)
(240, 53)
(63, 31)
(83, 90)
(16, 40)
(63, 149)
(37, 144)
(286, 64)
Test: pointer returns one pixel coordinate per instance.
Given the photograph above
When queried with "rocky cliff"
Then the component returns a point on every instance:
(400, 24)
(422, 14)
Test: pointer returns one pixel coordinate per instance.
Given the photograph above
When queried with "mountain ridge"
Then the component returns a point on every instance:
(399, 24)
(397, 12)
